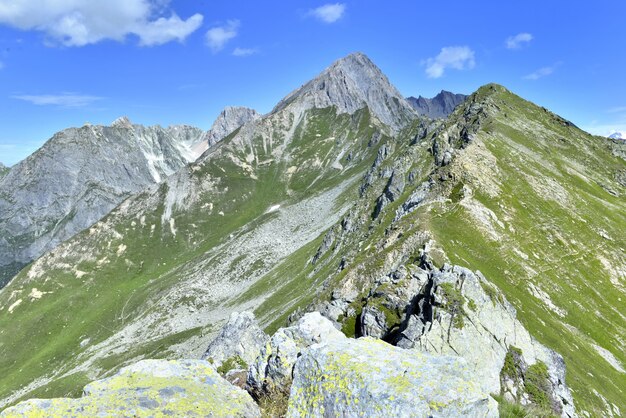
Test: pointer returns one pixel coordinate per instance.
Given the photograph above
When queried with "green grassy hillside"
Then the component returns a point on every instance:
(510, 189)
(535, 204)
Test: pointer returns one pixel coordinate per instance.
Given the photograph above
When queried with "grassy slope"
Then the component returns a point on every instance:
(44, 335)
(564, 237)
(554, 234)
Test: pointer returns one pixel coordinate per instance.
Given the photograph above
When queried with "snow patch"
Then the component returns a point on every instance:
(15, 305)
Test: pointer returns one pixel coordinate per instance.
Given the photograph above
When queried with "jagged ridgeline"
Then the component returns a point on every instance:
(81, 174)
(322, 204)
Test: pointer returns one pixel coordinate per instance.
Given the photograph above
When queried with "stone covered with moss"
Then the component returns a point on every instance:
(273, 369)
(367, 377)
(190, 388)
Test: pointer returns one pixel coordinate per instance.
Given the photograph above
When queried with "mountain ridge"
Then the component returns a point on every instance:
(336, 211)
(439, 106)
(80, 174)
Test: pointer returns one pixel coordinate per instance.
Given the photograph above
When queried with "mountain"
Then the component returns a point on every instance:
(439, 106)
(350, 84)
(494, 236)
(80, 174)
(228, 121)
(617, 135)
(4, 170)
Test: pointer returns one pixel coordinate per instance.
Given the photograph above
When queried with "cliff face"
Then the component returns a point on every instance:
(81, 174)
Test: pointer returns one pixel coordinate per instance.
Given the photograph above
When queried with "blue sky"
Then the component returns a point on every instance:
(67, 62)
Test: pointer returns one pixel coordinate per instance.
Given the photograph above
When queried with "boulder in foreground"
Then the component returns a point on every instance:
(190, 388)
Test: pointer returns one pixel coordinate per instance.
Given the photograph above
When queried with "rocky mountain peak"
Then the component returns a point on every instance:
(350, 84)
(439, 106)
(122, 122)
(229, 120)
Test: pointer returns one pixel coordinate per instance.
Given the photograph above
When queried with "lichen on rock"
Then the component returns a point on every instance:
(368, 377)
(190, 388)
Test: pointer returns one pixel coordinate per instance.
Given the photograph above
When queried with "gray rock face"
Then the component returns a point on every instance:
(81, 174)
(439, 106)
(273, 369)
(190, 388)
(241, 337)
(350, 84)
(367, 377)
(228, 121)
(78, 176)
(454, 311)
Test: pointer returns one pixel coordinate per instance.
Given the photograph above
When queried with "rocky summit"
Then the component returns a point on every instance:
(342, 255)
(439, 106)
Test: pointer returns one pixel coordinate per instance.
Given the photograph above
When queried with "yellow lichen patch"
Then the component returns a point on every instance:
(155, 388)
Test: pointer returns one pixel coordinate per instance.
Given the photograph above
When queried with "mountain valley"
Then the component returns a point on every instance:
(481, 232)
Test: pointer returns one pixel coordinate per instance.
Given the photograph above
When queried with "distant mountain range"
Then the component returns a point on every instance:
(489, 242)
(439, 106)
(618, 135)
(80, 174)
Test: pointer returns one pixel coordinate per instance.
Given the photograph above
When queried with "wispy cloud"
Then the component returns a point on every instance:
(455, 57)
(540, 73)
(1, 65)
(329, 13)
(619, 109)
(519, 40)
(218, 36)
(245, 52)
(62, 100)
(83, 22)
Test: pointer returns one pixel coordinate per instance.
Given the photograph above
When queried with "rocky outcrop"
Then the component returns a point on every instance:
(439, 106)
(273, 369)
(367, 377)
(240, 341)
(229, 120)
(454, 311)
(350, 84)
(190, 388)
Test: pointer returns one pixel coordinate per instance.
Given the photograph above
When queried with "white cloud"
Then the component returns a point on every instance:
(245, 52)
(620, 109)
(218, 36)
(164, 30)
(329, 13)
(83, 22)
(515, 42)
(455, 57)
(63, 100)
(540, 73)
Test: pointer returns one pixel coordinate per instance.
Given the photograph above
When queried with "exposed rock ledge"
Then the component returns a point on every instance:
(458, 343)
